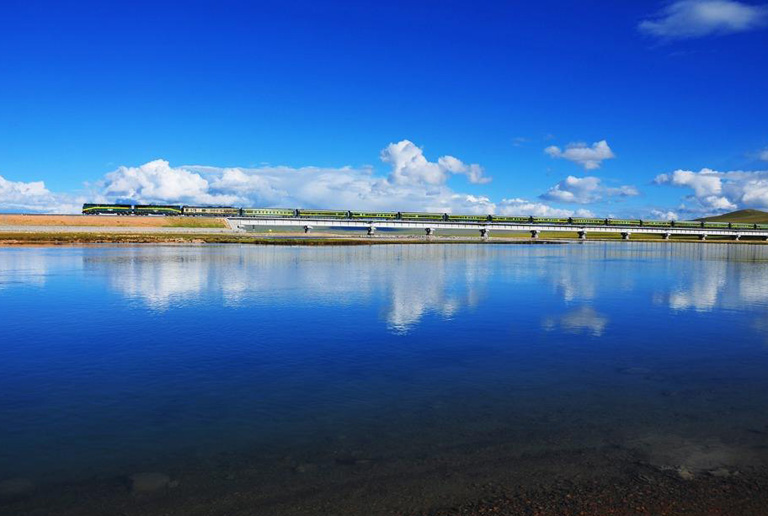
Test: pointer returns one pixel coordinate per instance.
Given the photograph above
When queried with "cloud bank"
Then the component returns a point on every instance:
(34, 197)
(717, 192)
(413, 183)
(685, 19)
(588, 157)
(585, 190)
(522, 207)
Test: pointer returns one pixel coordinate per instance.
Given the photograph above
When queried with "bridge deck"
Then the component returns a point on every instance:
(245, 222)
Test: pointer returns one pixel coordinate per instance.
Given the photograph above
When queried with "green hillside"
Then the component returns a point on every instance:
(754, 216)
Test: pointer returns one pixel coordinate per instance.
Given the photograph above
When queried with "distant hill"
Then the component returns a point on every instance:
(754, 216)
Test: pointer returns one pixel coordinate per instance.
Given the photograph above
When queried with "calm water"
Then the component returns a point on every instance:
(121, 359)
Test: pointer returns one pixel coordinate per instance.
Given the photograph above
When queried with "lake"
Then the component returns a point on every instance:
(390, 377)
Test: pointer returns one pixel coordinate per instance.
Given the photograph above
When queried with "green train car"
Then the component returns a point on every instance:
(157, 209)
(717, 225)
(657, 223)
(741, 225)
(467, 218)
(267, 212)
(383, 215)
(687, 224)
(586, 221)
(509, 218)
(548, 220)
(107, 209)
(211, 211)
(323, 214)
(407, 215)
(623, 222)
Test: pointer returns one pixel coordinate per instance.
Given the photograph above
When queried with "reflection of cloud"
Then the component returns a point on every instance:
(575, 282)
(416, 290)
(702, 293)
(584, 319)
(160, 281)
(415, 280)
(719, 276)
(21, 267)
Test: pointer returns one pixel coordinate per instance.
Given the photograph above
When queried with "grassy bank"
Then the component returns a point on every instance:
(9, 219)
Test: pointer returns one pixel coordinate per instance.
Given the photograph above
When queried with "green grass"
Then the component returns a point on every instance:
(748, 216)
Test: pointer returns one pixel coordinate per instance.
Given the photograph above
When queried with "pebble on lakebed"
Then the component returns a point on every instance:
(148, 483)
(16, 489)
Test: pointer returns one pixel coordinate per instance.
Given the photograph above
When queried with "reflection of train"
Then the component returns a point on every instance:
(231, 211)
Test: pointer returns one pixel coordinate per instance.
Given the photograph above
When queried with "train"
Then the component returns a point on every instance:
(277, 213)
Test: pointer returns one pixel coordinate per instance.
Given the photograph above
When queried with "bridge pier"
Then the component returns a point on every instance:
(429, 231)
(703, 236)
(484, 232)
(534, 233)
(737, 236)
(625, 235)
(582, 234)
(371, 230)
(307, 229)
(666, 236)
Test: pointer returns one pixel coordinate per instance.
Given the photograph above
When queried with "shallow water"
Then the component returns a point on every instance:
(121, 359)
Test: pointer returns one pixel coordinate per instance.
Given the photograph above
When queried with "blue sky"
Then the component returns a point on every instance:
(614, 108)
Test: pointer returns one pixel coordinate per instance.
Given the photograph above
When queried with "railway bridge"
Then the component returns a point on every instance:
(485, 228)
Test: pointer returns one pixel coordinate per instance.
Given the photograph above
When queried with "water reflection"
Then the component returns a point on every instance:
(584, 319)
(20, 267)
(274, 348)
(417, 280)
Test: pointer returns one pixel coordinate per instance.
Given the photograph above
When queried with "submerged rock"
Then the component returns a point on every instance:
(720, 473)
(146, 483)
(684, 473)
(16, 489)
(306, 467)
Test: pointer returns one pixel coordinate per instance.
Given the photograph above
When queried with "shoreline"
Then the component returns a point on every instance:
(58, 230)
(63, 236)
(8, 239)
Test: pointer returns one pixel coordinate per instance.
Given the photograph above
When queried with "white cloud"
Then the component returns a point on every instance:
(664, 215)
(685, 19)
(157, 181)
(34, 197)
(414, 183)
(523, 207)
(585, 190)
(716, 192)
(410, 166)
(588, 157)
(764, 155)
